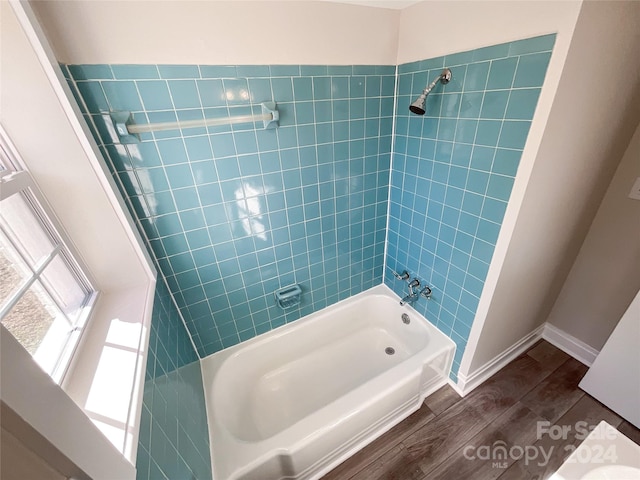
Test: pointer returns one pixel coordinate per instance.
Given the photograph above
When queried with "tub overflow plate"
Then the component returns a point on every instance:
(389, 350)
(406, 319)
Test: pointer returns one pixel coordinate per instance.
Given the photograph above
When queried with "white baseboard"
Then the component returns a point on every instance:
(467, 383)
(559, 338)
(569, 344)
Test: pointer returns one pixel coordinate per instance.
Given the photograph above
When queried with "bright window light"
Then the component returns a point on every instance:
(45, 297)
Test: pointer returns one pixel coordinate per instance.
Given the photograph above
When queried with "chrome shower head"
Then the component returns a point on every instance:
(417, 107)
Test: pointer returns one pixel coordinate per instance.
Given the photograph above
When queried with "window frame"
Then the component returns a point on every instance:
(15, 179)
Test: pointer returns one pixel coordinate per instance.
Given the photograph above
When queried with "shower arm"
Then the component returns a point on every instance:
(444, 77)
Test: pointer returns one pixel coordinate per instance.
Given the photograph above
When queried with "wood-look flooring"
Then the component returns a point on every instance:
(435, 442)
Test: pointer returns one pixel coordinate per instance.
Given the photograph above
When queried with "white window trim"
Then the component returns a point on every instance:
(15, 182)
(127, 295)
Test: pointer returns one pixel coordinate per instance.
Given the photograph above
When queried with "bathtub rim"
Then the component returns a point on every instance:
(382, 290)
(212, 364)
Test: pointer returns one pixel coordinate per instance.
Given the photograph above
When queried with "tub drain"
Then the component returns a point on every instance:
(389, 350)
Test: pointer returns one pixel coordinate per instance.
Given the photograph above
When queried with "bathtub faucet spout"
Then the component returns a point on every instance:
(410, 299)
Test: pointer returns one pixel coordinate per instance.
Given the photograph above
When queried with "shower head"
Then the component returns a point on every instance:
(417, 107)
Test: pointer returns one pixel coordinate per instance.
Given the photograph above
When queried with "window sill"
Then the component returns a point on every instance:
(106, 378)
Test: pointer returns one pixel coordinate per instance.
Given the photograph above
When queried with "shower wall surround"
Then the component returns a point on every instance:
(234, 213)
(173, 440)
(453, 171)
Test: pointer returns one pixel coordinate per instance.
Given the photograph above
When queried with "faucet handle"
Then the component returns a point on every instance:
(415, 283)
(401, 276)
(426, 292)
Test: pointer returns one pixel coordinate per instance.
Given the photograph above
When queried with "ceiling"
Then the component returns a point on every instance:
(394, 4)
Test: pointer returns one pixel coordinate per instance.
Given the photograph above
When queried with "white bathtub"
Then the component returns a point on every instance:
(298, 400)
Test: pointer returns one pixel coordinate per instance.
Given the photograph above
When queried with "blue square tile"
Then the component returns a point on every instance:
(154, 181)
(488, 231)
(192, 219)
(122, 95)
(90, 72)
(466, 131)
(155, 95)
(494, 210)
(494, 104)
(93, 96)
(514, 134)
(500, 187)
(186, 198)
(198, 148)
(494, 51)
(172, 151)
(339, 87)
(501, 73)
(253, 70)
(236, 91)
(179, 71)
(357, 87)
(313, 70)
(218, 71)
(506, 162)
(184, 93)
(135, 72)
(303, 89)
(304, 112)
(168, 224)
(179, 176)
(284, 70)
(476, 77)
(198, 238)
(522, 104)
(477, 182)
(209, 194)
(211, 93)
(249, 165)
(228, 168)
(482, 158)
(245, 142)
(260, 90)
(488, 132)
(531, 70)
(282, 89)
(223, 145)
(532, 45)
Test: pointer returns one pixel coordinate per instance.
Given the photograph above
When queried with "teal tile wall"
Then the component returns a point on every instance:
(453, 171)
(234, 213)
(173, 439)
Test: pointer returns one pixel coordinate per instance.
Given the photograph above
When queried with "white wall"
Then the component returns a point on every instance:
(582, 123)
(219, 32)
(434, 28)
(606, 273)
(38, 125)
(585, 136)
(40, 116)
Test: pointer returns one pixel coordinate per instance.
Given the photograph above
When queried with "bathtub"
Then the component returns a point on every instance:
(295, 402)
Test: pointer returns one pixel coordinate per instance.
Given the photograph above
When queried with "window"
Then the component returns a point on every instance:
(45, 297)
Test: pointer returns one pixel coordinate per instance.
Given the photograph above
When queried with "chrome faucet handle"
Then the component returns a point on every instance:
(401, 276)
(426, 292)
(415, 283)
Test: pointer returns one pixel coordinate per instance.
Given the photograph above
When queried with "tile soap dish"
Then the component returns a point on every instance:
(288, 297)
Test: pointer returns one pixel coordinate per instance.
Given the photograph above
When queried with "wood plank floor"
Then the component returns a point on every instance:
(443, 439)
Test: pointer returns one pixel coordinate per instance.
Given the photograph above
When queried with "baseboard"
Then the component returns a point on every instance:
(467, 383)
(569, 344)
